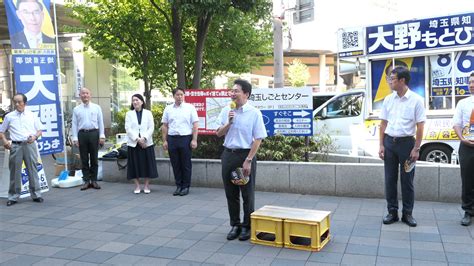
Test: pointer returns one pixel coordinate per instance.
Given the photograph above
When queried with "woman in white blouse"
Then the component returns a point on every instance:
(139, 126)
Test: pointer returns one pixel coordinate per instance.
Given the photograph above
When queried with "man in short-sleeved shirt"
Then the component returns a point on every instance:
(244, 130)
(24, 128)
(463, 119)
(179, 132)
(403, 117)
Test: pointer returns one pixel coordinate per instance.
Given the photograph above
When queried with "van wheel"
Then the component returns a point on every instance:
(436, 153)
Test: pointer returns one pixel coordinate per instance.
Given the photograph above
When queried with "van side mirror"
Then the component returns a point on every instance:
(324, 113)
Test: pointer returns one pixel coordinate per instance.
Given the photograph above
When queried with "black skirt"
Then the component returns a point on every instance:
(141, 162)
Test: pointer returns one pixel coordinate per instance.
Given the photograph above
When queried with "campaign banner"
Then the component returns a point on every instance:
(350, 42)
(413, 35)
(35, 67)
(445, 70)
(381, 72)
(286, 111)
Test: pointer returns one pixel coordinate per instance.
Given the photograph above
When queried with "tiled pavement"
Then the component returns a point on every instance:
(114, 226)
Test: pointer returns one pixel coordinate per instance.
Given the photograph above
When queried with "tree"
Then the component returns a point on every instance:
(124, 30)
(201, 13)
(298, 73)
(164, 41)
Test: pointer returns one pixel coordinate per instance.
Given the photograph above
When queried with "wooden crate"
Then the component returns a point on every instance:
(300, 228)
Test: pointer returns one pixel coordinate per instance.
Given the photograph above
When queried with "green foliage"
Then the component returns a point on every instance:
(298, 73)
(209, 147)
(284, 148)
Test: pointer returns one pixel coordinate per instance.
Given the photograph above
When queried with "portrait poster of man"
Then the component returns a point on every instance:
(30, 24)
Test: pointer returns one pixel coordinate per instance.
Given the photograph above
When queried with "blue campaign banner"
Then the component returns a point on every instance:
(288, 122)
(381, 71)
(35, 67)
(440, 32)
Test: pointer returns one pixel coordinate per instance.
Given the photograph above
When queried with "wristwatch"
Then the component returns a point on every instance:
(416, 148)
(248, 159)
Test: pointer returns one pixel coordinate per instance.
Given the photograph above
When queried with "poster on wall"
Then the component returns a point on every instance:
(447, 71)
(381, 71)
(34, 63)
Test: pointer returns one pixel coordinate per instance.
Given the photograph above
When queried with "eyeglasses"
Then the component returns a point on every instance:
(391, 78)
(17, 102)
(32, 13)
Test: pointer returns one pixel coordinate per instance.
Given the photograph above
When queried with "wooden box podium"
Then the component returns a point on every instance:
(290, 227)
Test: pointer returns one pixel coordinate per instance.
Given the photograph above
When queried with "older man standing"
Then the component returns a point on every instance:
(243, 128)
(401, 131)
(88, 134)
(25, 128)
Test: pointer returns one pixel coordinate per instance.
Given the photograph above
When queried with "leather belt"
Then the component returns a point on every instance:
(236, 150)
(399, 139)
(178, 136)
(19, 142)
(88, 130)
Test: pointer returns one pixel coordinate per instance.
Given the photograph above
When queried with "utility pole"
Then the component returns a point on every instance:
(278, 76)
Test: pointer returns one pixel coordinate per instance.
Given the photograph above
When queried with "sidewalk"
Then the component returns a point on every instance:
(114, 226)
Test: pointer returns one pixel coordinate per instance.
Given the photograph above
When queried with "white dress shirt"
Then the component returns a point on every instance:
(87, 117)
(33, 40)
(402, 113)
(463, 112)
(21, 125)
(180, 119)
(246, 127)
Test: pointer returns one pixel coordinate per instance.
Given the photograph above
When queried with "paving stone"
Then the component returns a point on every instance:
(195, 255)
(454, 257)
(116, 247)
(361, 249)
(281, 262)
(352, 259)
(326, 257)
(51, 261)
(263, 251)
(96, 256)
(140, 250)
(123, 259)
(166, 252)
(383, 261)
(23, 260)
(235, 249)
(70, 253)
(425, 237)
(394, 252)
(293, 254)
(428, 255)
(224, 258)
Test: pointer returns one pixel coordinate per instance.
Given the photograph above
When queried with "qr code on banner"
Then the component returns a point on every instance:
(350, 40)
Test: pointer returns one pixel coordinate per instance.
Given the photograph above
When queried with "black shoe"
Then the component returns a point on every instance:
(95, 185)
(85, 186)
(11, 202)
(184, 191)
(245, 234)
(233, 233)
(40, 199)
(466, 220)
(177, 191)
(391, 217)
(409, 220)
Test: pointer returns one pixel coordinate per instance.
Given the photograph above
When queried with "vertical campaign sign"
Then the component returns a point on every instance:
(34, 64)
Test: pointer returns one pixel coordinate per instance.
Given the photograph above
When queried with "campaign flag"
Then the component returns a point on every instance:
(34, 63)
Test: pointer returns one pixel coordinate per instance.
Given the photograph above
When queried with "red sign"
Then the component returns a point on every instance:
(209, 104)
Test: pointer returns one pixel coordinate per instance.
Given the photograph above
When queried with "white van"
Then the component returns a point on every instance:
(355, 131)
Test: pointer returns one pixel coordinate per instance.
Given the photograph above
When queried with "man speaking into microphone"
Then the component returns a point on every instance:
(243, 128)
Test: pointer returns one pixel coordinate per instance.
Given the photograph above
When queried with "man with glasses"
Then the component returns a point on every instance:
(24, 128)
(463, 124)
(403, 117)
(31, 14)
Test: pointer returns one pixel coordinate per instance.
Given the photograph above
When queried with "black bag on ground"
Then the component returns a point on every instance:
(123, 151)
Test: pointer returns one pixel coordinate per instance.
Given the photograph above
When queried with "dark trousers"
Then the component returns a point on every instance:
(397, 151)
(179, 149)
(230, 161)
(466, 160)
(89, 151)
